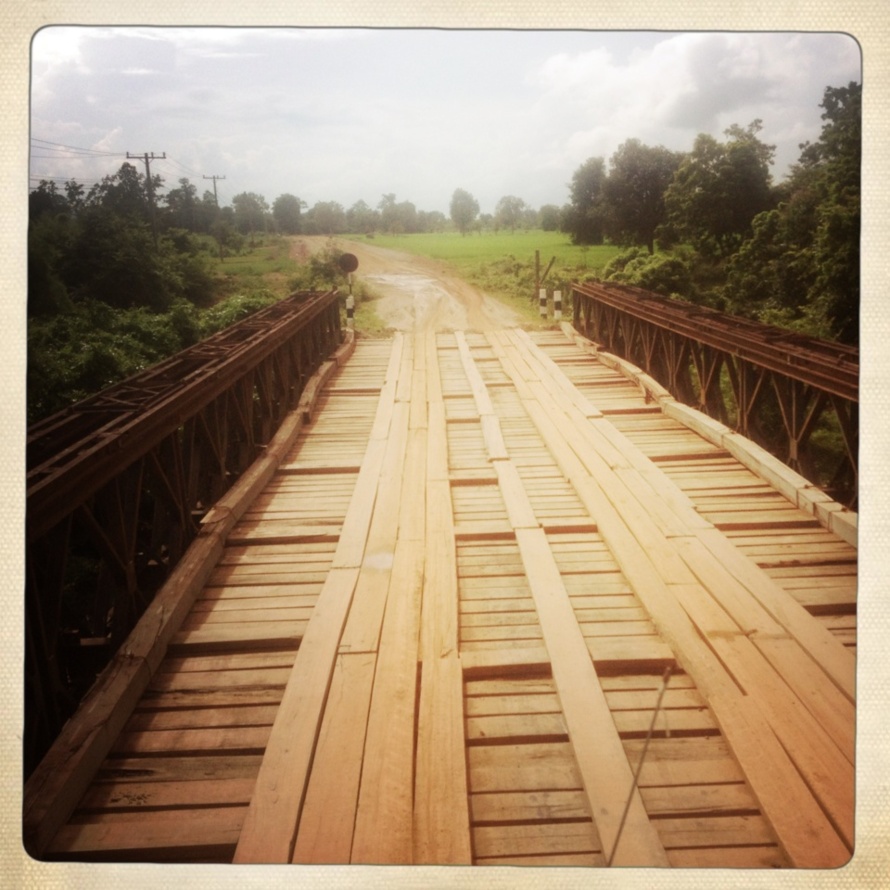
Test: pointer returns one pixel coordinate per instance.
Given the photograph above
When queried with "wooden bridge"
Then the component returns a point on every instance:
(489, 598)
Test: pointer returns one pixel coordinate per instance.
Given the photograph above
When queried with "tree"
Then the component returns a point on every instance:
(388, 213)
(209, 210)
(800, 267)
(549, 217)
(431, 221)
(719, 188)
(638, 177)
(45, 199)
(286, 211)
(508, 212)
(183, 207)
(464, 209)
(250, 212)
(326, 218)
(125, 193)
(360, 218)
(585, 220)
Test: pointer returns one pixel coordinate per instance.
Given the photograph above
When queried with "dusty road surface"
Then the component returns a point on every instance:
(418, 293)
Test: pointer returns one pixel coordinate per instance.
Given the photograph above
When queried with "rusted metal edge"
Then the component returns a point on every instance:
(831, 514)
(801, 358)
(83, 465)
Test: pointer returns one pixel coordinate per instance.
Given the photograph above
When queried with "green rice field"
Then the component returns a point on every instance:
(468, 252)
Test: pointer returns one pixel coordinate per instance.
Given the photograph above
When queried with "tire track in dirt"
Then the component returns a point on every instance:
(417, 293)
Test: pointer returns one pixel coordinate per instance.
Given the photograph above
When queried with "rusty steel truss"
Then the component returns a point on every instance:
(117, 485)
(772, 385)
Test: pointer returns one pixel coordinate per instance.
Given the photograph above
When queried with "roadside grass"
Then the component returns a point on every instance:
(368, 322)
(501, 264)
(266, 264)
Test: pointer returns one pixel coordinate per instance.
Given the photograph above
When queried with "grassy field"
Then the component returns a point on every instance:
(469, 252)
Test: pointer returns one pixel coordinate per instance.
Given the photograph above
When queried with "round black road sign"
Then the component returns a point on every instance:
(348, 262)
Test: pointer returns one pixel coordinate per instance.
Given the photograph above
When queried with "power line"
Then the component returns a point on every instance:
(183, 167)
(46, 145)
(38, 178)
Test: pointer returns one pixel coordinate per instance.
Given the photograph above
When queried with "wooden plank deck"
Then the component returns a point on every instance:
(441, 633)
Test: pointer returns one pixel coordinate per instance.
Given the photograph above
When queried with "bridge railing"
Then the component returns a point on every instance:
(797, 396)
(117, 485)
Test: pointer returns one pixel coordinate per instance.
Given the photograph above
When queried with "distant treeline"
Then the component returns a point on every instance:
(121, 275)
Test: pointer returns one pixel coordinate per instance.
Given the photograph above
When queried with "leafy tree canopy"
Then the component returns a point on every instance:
(286, 210)
(509, 212)
(719, 188)
(250, 212)
(585, 219)
(801, 264)
(464, 209)
(638, 177)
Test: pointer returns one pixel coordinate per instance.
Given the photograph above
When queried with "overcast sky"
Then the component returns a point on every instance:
(353, 114)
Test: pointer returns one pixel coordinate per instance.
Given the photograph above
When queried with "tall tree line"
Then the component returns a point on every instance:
(784, 253)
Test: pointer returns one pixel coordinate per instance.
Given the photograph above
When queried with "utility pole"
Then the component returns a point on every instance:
(216, 200)
(148, 157)
(214, 178)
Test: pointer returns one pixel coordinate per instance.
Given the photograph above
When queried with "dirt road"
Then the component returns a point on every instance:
(418, 293)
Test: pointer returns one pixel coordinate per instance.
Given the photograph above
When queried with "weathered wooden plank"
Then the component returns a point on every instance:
(220, 637)
(536, 839)
(384, 817)
(767, 614)
(203, 681)
(201, 718)
(441, 808)
(513, 701)
(606, 774)
(531, 806)
(212, 834)
(810, 754)
(526, 767)
(168, 795)
(242, 739)
(328, 816)
(563, 860)
(441, 825)
(807, 835)
(363, 624)
(759, 857)
(526, 660)
(270, 826)
(714, 831)
(176, 768)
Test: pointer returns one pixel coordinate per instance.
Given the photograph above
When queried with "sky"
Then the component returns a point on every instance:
(353, 114)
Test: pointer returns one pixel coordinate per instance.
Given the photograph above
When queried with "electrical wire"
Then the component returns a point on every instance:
(46, 145)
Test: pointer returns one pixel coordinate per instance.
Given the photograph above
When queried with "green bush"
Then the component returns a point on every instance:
(234, 309)
(669, 274)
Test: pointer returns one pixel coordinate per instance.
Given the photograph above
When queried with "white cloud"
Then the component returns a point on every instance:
(349, 114)
(691, 83)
